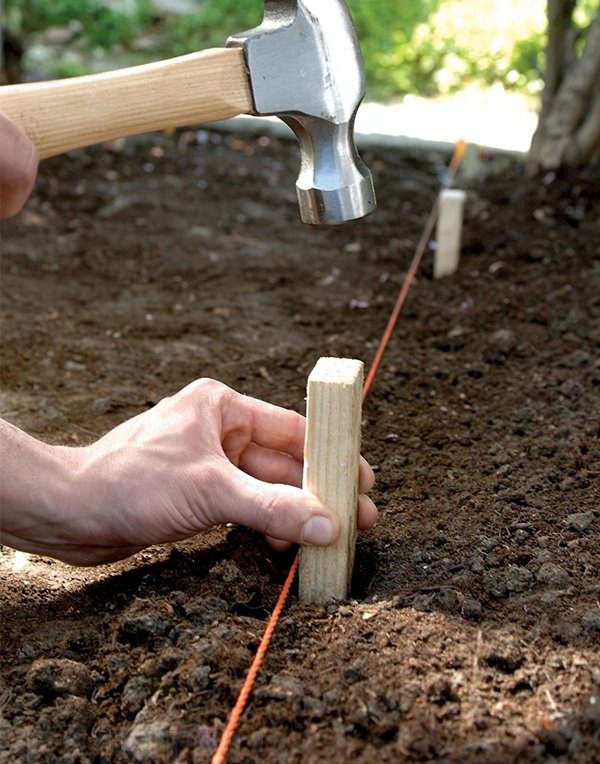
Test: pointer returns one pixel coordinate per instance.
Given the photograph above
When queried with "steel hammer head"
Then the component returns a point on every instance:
(306, 67)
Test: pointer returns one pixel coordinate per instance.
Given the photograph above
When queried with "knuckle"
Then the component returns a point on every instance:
(207, 389)
(204, 384)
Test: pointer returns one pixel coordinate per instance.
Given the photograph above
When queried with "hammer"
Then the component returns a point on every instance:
(302, 64)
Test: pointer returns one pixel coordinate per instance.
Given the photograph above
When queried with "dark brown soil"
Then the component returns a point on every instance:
(474, 630)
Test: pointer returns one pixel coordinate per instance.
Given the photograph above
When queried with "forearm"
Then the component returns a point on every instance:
(36, 489)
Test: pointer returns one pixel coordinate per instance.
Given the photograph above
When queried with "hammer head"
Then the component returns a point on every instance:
(306, 67)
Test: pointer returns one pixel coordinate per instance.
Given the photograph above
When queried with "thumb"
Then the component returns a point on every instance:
(279, 511)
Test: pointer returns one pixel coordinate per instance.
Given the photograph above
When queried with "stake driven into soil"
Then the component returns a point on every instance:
(231, 726)
(331, 455)
(449, 232)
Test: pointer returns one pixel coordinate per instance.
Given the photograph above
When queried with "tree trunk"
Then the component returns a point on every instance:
(568, 132)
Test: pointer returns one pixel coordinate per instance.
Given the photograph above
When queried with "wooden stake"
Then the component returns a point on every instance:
(449, 232)
(331, 462)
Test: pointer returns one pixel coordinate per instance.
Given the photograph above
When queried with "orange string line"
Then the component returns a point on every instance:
(220, 755)
(457, 156)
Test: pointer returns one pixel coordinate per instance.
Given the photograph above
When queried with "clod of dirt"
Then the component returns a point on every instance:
(591, 620)
(59, 677)
(575, 360)
(227, 571)
(355, 672)
(205, 611)
(553, 576)
(472, 608)
(555, 741)
(518, 578)
(71, 716)
(149, 739)
(440, 691)
(199, 678)
(135, 693)
(506, 661)
(167, 660)
(138, 626)
(580, 521)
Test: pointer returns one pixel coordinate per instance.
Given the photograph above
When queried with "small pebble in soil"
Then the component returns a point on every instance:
(149, 739)
(592, 711)
(521, 535)
(281, 687)
(101, 406)
(579, 521)
(499, 345)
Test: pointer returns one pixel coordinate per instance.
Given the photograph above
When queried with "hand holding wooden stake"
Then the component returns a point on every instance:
(331, 461)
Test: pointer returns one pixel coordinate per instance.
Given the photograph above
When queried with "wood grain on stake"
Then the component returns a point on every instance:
(331, 462)
(67, 114)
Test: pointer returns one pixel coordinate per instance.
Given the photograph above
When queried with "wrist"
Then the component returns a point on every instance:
(37, 491)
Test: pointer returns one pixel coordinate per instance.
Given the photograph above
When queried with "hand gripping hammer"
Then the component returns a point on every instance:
(302, 64)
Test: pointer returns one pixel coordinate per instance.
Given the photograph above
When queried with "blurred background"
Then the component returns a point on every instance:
(487, 57)
(425, 47)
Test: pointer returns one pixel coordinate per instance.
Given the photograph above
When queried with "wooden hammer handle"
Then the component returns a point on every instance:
(66, 114)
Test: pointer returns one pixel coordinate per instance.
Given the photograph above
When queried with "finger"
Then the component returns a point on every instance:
(366, 476)
(270, 466)
(367, 513)
(367, 517)
(276, 467)
(282, 430)
(283, 512)
(271, 426)
(278, 545)
(18, 167)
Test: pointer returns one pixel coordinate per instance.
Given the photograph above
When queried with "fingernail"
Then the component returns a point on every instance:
(318, 530)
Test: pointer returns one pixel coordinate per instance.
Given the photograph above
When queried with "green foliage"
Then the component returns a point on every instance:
(409, 46)
(385, 30)
(60, 68)
(211, 25)
(101, 26)
(528, 60)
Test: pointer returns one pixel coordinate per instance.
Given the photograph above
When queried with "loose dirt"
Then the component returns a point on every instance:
(473, 631)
